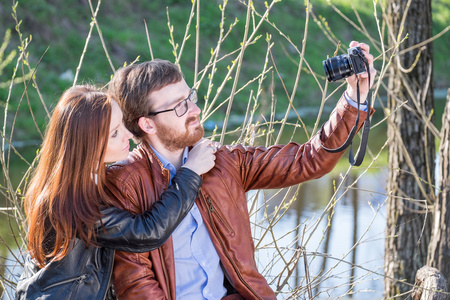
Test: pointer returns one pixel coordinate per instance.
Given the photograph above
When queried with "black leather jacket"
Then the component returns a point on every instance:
(85, 272)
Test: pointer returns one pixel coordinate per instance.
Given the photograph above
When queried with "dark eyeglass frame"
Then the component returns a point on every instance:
(181, 104)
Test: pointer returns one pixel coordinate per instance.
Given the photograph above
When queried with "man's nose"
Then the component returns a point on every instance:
(193, 109)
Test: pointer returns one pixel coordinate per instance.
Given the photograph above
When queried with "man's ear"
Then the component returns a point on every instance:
(147, 125)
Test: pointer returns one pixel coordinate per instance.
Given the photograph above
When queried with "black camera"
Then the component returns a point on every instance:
(345, 65)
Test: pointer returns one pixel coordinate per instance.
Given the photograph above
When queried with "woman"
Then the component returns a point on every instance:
(72, 228)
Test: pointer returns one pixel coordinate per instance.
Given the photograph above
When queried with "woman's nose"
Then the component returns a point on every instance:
(127, 134)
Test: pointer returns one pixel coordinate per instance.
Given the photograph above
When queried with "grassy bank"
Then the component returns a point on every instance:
(58, 32)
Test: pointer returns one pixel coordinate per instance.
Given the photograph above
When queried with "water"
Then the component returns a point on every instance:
(359, 218)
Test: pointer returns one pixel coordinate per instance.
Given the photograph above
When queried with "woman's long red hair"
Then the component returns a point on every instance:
(63, 199)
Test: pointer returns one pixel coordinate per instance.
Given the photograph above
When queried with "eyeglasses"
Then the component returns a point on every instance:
(181, 108)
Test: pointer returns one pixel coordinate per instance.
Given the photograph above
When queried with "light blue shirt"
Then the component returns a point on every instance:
(362, 106)
(197, 265)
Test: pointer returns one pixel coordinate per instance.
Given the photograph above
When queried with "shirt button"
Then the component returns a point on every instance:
(203, 264)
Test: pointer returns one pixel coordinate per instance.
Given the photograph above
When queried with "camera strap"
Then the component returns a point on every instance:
(365, 130)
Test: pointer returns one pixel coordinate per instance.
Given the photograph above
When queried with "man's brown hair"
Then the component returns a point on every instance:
(132, 85)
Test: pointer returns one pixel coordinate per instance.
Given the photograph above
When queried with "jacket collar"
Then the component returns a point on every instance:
(147, 152)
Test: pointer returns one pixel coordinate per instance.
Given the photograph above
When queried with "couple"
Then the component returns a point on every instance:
(210, 254)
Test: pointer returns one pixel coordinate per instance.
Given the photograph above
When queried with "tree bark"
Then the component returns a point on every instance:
(439, 251)
(430, 285)
(412, 149)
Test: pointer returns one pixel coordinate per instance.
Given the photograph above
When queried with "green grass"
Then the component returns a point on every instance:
(63, 28)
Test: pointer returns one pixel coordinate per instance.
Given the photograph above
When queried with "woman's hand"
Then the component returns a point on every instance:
(202, 156)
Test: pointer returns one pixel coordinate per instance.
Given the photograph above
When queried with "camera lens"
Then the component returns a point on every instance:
(337, 67)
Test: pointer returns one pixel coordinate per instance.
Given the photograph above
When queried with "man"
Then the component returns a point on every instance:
(211, 254)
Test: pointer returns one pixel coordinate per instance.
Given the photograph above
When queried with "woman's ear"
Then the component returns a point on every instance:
(147, 125)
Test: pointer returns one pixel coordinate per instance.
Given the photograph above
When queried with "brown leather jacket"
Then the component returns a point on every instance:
(140, 179)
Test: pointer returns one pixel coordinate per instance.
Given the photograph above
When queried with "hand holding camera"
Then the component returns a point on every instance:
(355, 63)
(351, 65)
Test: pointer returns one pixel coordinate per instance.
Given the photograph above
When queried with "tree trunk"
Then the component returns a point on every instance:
(411, 150)
(430, 285)
(439, 251)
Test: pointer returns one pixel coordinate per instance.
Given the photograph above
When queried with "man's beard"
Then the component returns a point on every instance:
(173, 140)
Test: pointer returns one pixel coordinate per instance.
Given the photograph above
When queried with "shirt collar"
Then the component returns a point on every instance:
(167, 164)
